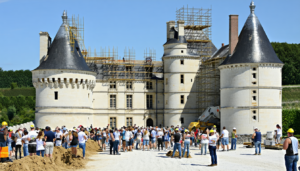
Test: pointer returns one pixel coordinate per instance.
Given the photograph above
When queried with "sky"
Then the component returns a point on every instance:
(137, 24)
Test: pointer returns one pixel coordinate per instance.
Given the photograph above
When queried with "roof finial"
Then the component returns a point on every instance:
(64, 17)
(252, 7)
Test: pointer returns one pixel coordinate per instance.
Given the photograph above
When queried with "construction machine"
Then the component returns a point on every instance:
(209, 118)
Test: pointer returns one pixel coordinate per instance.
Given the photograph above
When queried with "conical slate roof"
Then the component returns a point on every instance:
(61, 55)
(253, 45)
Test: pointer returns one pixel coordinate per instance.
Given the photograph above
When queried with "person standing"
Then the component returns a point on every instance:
(138, 139)
(18, 141)
(186, 137)
(50, 139)
(204, 142)
(166, 139)
(291, 155)
(177, 144)
(153, 139)
(32, 141)
(40, 143)
(74, 143)
(233, 139)
(25, 140)
(257, 141)
(58, 137)
(124, 145)
(159, 136)
(212, 146)
(225, 139)
(3, 138)
(146, 140)
(111, 140)
(81, 138)
(278, 134)
(117, 138)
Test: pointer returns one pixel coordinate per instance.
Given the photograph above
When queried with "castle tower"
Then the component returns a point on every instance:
(251, 85)
(63, 83)
(180, 68)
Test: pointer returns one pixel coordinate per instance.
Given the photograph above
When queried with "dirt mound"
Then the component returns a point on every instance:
(170, 153)
(62, 159)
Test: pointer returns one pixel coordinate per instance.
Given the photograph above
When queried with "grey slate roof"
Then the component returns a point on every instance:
(222, 52)
(61, 55)
(253, 45)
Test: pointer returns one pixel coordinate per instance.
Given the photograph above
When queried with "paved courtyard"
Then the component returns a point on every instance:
(241, 159)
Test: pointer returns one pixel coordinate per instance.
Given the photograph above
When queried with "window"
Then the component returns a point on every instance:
(182, 62)
(128, 68)
(129, 121)
(191, 80)
(112, 85)
(149, 101)
(254, 98)
(113, 122)
(128, 85)
(254, 111)
(253, 75)
(181, 51)
(166, 81)
(149, 85)
(182, 120)
(182, 79)
(113, 101)
(254, 83)
(254, 91)
(254, 69)
(148, 72)
(182, 99)
(254, 117)
(129, 101)
(56, 95)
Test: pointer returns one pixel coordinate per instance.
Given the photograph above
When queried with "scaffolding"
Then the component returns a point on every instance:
(197, 29)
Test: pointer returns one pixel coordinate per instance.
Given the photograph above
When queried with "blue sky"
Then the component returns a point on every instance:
(137, 24)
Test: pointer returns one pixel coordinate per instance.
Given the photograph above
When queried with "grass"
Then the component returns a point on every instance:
(25, 91)
(291, 94)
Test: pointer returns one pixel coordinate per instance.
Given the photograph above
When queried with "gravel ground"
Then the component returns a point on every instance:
(239, 160)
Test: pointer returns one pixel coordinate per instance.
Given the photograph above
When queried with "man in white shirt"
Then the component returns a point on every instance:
(128, 136)
(32, 141)
(81, 138)
(225, 139)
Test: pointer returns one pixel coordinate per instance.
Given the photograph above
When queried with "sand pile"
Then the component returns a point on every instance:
(62, 160)
(170, 153)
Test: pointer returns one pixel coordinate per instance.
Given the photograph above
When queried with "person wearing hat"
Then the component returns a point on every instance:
(291, 155)
(257, 141)
(32, 141)
(212, 146)
(177, 144)
(3, 138)
(233, 139)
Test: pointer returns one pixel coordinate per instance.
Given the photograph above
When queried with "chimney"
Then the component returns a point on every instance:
(222, 44)
(170, 24)
(180, 24)
(233, 32)
(45, 41)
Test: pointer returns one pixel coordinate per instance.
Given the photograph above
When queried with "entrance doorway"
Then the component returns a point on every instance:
(149, 122)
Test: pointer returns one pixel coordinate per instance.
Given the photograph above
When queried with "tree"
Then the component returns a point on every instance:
(13, 85)
(11, 112)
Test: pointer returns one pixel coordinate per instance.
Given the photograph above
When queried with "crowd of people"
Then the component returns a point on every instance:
(39, 141)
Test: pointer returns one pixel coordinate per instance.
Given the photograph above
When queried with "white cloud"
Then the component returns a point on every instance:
(1, 1)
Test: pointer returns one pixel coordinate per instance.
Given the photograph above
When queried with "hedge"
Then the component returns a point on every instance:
(25, 91)
(291, 119)
(19, 102)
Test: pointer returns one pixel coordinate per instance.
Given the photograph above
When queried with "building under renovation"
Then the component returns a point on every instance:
(75, 86)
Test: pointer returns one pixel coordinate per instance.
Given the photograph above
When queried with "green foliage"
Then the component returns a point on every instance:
(289, 54)
(18, 102)
(291, 119)
(11, 112)
(13, 85)
(23, 78)
(290, 94)
(3, 116)
(25, 91)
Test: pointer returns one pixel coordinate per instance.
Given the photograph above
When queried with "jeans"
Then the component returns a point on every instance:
(40, 152)
(145, 142)
(257, 145)
(65, 145)
(25, 150)
(111, 146)
(177, 146)
(116, 149)
(203, 146)
(3, 144)
(193, 140)
(213, 154)
(18, 148)
(186, 146)
(82, 145)
(233, 143)
(291, 162)
(137, 143)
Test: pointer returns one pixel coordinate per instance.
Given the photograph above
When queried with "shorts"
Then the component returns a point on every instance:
(153, 139)
(32, 148)
(124, 142)
(10, 148)
(218, 142)
(58, 143)
(99, 138)
(145, 142)
(127, 143)
(49, 148)
(225, 141)
(131, 142)
(103, 140)
(74, 145)
(278, 137)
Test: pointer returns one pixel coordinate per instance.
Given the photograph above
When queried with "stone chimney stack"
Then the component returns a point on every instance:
(45, 42)
(180, 24)
(233, 32)
(170, 24)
